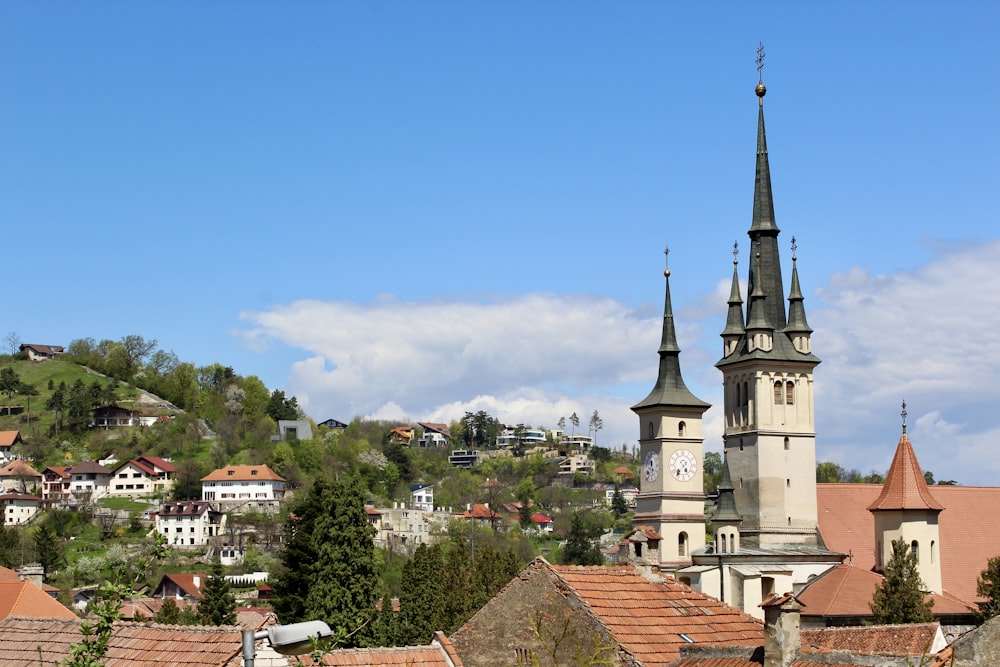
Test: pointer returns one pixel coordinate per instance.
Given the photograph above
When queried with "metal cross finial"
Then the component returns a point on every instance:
(666, 253)
(760, 62)
(794, 248)
(736, 251)
(903, 415)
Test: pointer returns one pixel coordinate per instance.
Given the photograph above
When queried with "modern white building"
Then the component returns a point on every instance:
(528, 437)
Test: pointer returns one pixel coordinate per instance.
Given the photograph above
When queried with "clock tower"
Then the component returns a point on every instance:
(672, 495)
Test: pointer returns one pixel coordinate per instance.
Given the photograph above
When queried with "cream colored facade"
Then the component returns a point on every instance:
(919, 531)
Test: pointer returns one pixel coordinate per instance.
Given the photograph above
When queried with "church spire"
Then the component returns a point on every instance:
(670, 388)
(797, 324)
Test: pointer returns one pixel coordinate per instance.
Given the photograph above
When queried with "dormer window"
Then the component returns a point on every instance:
(231, 473)
(253, 472)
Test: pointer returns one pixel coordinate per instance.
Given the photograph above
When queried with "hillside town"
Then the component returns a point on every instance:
(753, 563)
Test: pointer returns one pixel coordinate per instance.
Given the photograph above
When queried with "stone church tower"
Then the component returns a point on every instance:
(672, 491)
(767, 367)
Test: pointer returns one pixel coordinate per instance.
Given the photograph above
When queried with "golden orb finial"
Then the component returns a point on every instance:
(761, 90)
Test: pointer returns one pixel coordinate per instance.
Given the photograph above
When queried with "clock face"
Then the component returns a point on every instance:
(651, 466)
(683, 465)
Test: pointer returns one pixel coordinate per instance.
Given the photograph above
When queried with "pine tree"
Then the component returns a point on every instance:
(900, 597)
(988, 588)
(48, 549)
(329, 571)
(217, 605)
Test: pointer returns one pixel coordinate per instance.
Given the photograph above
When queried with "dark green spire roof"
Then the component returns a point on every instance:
(670, 389)
(758, 315)
(796, 308)
(734, 319)
(727, 501)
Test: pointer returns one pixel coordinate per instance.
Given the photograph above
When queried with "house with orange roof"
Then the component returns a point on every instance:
(142, 477)
(244, 488)
(8, 439)
(180, 586)
(623, 615)
(401, 435)
(23, 598)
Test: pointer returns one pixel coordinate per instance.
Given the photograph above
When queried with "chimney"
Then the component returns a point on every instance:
(197, 582)
(33, 573)
(781, 630)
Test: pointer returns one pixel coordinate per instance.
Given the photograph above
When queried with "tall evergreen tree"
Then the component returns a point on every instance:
(48, 549)
(329, 571)
(900, 597)
(421, 601)
(988, 588)
(457, 579)
(581, 548)
(217, 605)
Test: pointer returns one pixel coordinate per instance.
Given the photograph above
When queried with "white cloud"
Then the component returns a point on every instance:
(929, 335)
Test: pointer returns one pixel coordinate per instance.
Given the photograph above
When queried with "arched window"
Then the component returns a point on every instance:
(778, 393)
(790, 393)
(722, 544)
(681, 429)
(786, 443)
(915, 551)
(651, 432)
(933, 556)
(682, 545)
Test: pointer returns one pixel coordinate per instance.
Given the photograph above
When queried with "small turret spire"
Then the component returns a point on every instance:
(734, 319)
(758, 316)
(797, 323)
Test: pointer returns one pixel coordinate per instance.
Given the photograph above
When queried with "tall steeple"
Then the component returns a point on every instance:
(672, 494)
(770, 437)
(670, 388)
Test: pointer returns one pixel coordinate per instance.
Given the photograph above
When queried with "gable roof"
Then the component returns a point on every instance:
(18, 468)
(845, 590)
(649, 618)
(89, 467)
(966, 546)
(184, 508)
(42, 349)
(436, 428)
(9, 438)
(23, 598)
(905, 487)
(184, 581)
(440, 652)
(242, 474)
(162, 464)
(130, 644)
(894, 640)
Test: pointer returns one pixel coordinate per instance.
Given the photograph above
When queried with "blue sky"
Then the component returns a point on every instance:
(416, 209)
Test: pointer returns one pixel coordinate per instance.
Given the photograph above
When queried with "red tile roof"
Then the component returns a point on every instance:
(23, 598)
(131, 644)
(18, 469)
(439, 653)
(480, 511)
(848, 527)
(9, 438)
(889, 640)
(189, 583)
(905, 487)
(242, 474)
(162, 464)
(648, 618)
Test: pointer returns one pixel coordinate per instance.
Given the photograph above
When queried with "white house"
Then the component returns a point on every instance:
(18, 508)
(144, 476)
(244, 488)
(422, 497)
(435, 435)
(577, 463)
(8, 439)
(529, 437)
(19, 477)
(89, 478)
(189, 524)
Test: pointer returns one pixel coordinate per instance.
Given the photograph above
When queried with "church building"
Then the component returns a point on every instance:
(774, 529)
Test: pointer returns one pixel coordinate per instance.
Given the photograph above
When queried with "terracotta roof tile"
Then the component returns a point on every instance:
(18, 469)
(23, 598)
(848, 527)
(162, 464)
(648, 618)
(439, 653)
(242, 474)
(905, 487)
(8, 438)
(888, 640)
(131, 644)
